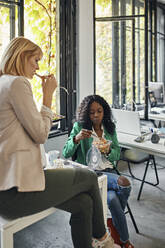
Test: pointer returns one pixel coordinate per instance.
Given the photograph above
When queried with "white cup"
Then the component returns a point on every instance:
(52, 156)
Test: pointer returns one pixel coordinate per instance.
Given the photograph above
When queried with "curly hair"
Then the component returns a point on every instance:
(83, 111)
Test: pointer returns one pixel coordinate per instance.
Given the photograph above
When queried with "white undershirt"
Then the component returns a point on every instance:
(104, 162)
(43, 154)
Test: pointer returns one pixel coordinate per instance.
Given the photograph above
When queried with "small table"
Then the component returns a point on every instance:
(128, 141)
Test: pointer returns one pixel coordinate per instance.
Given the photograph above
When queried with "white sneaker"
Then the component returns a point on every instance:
(106, 243)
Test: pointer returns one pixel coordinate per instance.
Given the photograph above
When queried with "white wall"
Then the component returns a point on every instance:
(85, 43)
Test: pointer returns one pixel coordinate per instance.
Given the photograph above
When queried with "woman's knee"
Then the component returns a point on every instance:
(93, 176)
(87, 176)
(123, 181)
(112, 199)
(85, 204)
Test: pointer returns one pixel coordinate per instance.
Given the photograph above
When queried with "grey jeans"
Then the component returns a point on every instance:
(74, 190)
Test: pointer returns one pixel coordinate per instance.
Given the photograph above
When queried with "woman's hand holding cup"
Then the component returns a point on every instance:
(49, 84)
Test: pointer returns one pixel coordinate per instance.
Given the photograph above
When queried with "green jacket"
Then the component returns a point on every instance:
(82, 148)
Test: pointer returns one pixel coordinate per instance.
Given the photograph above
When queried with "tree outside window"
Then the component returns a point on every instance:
(40, 26)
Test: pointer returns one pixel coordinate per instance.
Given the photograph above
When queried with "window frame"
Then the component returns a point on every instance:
(11, 5)
(150, 40)
(67, 56)
(68, 65)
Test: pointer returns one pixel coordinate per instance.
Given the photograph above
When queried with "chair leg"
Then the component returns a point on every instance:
(129, 168)
(130, 171)
(144, 176)
(132, 218)
(7, 239)
(156, 172)
(134, 177)
(143, 181)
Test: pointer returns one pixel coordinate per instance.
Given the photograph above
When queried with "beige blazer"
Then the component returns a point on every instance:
(22, 129)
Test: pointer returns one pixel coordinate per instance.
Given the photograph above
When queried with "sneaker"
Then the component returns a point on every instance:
(106, 243)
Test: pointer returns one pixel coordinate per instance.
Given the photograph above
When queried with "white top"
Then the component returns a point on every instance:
(104, 162)
(43, 154)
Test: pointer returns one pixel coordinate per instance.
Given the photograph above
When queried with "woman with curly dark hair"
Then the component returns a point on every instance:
(94, 126)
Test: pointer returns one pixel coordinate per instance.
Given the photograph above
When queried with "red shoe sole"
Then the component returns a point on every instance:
(113, 231)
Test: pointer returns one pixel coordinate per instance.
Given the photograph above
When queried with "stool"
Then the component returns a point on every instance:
(9, 227)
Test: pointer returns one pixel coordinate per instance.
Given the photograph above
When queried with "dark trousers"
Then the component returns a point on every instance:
(74, 190)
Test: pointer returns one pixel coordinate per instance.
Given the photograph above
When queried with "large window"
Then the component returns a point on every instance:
(161, 43)
(127, 47)
(120, 51)
(52, 25)
(11, 19)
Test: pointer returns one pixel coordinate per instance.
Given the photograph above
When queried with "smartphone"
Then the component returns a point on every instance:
(87, 125)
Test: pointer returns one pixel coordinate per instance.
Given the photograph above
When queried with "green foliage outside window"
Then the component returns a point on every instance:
(114, 51)
(40, 26)
(4, 28)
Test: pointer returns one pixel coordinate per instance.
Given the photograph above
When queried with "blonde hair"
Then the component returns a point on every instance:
(16, 55)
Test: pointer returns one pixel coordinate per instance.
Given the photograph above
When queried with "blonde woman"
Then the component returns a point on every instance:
(25, 188)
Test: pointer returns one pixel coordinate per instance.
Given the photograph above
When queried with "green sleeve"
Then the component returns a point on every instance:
(114, 154)
(70, 147)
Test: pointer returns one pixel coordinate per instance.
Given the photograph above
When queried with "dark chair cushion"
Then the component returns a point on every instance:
(134, 156)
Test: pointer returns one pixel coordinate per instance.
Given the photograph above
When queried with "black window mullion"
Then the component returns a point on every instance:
(146, 61)
(123, 54)
(155, 39)
(115, 55)
(12, 21)
(94, 43)
(68, 60)
(21, 18)
(150, 43)
(71, 59)
(63, 103)
(133, 58)
(74, 60)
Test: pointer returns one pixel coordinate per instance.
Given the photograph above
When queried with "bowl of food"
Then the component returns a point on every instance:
(103, 145)
(57, 117)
